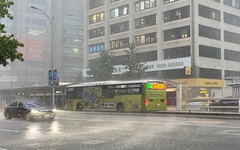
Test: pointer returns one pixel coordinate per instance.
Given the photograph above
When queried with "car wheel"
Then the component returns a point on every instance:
(28, 117)
(79, 107)
(7, 116)
(120, 107)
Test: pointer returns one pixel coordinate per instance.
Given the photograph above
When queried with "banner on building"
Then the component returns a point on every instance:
(170, 64)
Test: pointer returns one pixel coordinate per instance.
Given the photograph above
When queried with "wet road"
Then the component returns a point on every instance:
(102, 131)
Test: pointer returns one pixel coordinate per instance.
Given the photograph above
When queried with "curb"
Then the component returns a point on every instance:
(210, 115)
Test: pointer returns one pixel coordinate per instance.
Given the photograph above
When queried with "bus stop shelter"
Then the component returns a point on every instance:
(41, 94)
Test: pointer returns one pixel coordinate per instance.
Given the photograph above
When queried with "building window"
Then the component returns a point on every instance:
(112, 1)
(169, 1)
(231, 37)
(72, 50)
(71, 21)
(231, 55)
(145, 4)
(229, 73)
(143, 57)
(99, 17)
(70, 31)
(120, 27)
(209, 13)
(95, 3)
(118, 12)
(174, 74)
(146, 21)
(210, 52)
(177, 33)
(209, 32)
(96, 48)
(94, 33)
(231, 19)
(177, 52)
(118, 44)
(72, 41)
(232, 3)
(216, 1)
(146, 39)
(210, 73)
(177, 14)
(68, 69)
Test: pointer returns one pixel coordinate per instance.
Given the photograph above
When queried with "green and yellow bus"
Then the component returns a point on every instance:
(144, 95)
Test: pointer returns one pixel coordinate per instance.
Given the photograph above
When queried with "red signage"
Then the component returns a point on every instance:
(33, 49)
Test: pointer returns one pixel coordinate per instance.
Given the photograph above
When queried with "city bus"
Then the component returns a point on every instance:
(144, 95)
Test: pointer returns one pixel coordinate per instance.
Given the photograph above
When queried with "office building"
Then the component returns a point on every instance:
(195, 43)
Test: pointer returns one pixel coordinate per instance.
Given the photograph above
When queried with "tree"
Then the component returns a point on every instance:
(79, 77)
(101, 68)
(8, 44)
(135, 69)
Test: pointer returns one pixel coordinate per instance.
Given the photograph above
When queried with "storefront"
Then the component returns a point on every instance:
(200, 87)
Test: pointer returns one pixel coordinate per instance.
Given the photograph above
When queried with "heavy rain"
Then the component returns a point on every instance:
(119, 74)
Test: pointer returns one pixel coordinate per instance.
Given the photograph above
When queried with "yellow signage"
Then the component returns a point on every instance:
(188, 70)
(199, 82)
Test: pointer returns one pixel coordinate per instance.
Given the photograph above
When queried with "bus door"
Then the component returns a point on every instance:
(134, 97)
(108, 97)
(155, 96)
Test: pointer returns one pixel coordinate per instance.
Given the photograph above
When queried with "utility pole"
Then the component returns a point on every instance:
(51, 21)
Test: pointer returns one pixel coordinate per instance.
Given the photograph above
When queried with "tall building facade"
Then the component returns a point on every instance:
(32, 28)
(69, 38)
(194, 43)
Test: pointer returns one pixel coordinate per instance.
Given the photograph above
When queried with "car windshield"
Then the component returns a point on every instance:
(31, 105)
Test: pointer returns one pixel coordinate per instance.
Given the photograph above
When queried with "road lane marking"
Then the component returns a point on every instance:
(207, 122)
(154, 123)
(230, 132)
(7, 130)
(107, 128)
(3, 149)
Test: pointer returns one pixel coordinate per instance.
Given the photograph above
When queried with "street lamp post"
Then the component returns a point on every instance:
(51, 21)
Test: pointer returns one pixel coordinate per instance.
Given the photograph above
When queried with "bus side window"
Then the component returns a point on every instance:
(134, 91)
(121, 89)
(108, 93)
(79, 93)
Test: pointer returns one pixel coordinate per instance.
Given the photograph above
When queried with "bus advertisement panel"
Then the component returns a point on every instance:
(118, 96)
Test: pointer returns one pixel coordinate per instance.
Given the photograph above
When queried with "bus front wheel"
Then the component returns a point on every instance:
(120, 107)
(79, 107)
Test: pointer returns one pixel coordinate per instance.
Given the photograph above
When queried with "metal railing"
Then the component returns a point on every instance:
(211, 104)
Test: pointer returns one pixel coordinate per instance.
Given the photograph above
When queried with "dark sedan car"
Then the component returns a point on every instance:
(29, 111)
(225, 103)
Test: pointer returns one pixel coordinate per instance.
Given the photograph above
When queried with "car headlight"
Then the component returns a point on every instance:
(34, 111)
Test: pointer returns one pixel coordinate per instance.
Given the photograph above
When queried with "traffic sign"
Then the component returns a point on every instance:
(50, 77)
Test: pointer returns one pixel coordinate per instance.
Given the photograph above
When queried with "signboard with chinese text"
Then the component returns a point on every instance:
(169, 64)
